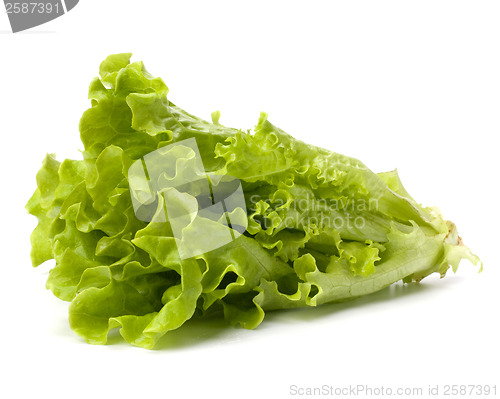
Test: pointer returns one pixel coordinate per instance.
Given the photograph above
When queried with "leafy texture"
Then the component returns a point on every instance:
(321, 226)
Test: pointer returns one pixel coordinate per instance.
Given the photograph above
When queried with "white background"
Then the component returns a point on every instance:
(396, 84)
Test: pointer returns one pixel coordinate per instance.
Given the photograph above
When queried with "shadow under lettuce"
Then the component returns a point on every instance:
(213, 328)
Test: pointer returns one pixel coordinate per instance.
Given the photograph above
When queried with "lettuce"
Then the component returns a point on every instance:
(318, 226)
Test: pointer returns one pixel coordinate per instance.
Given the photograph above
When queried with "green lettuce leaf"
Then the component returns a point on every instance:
(320, 226)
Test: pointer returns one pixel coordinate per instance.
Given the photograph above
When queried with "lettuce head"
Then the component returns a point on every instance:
(144, 237)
